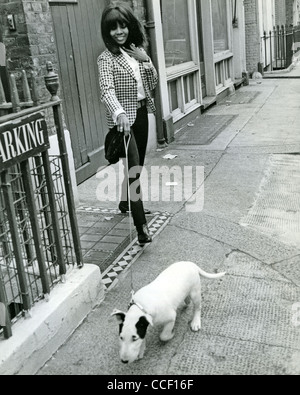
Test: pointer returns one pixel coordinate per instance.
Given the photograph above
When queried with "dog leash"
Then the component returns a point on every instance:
(126, 144)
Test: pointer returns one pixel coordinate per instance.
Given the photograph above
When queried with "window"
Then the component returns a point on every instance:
(181, 56)
(220, 25)
(177, 43)
(222, 42)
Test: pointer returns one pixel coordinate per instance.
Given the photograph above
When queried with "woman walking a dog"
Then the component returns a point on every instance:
(127, 77)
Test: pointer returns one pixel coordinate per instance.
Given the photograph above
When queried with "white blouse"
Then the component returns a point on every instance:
(134, 64)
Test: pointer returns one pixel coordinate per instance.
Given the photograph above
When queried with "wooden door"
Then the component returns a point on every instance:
(77, 28)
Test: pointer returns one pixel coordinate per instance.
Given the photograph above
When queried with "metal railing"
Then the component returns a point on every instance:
(279, 47)
(29, 93)
(39, 236)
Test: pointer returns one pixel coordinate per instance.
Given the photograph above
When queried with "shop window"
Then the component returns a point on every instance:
(181, 54)
(177, 43)
(220, 25)
(222, 17)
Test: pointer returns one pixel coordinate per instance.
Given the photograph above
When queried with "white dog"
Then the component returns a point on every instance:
(157, 304)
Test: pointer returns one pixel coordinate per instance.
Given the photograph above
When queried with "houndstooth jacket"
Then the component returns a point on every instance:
(119, 88)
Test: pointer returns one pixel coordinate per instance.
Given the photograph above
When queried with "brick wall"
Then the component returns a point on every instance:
(280, 12)
(32, 44)
(252, 35)
(290, 12)
(284, 10)
(17, 44)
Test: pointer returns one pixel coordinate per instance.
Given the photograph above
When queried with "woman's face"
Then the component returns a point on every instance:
(120, 34)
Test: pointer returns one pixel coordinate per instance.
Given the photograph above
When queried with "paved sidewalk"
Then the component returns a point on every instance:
(250, 318)
(110, 242)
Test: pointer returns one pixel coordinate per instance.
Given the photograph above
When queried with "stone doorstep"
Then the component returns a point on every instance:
(36, 339)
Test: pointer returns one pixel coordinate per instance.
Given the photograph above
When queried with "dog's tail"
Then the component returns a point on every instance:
(211, 276)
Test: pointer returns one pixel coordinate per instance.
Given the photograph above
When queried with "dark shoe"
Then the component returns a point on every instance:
(123, 207)
(144, 235)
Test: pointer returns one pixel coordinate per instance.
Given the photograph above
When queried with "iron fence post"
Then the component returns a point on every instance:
(271, 50)
(265, 48)
(9, 203)
(282, 46)
(14, 94)
(7, 327)
(3, 237)
(40, 182)
(55, 221)
(35, 227)
(20, 210)
(276, 35)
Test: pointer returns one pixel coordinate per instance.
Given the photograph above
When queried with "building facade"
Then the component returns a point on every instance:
(269, 28)
(200, 55)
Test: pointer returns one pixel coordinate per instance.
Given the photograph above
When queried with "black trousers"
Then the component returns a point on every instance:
(136, 159)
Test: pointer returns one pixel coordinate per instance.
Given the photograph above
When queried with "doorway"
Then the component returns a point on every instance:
(77, 27)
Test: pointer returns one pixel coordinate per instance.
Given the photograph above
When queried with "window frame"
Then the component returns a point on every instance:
(221, 58)
(188, 67)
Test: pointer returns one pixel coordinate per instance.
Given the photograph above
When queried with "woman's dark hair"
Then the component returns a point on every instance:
(119, 13)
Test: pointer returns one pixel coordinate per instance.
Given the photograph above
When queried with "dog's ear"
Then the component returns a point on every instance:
(142, 326)
(149, 319)
(120, 316)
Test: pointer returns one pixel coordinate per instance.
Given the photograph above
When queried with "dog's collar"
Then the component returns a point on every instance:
(133, 303)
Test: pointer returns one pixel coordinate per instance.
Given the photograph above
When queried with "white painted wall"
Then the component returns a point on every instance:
(266, 15)
(239, 43)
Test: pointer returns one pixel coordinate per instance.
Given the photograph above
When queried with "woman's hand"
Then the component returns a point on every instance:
(123, 124)
(137, 53)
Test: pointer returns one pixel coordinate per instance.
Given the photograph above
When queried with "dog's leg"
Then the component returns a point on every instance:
(143, 349)
(196, 298)
(185, 303)
(167, 333)
(168, 330)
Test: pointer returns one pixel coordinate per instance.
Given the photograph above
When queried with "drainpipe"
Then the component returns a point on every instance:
(150, 27)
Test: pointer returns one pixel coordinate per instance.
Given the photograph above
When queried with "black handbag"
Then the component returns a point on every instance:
(114, 146)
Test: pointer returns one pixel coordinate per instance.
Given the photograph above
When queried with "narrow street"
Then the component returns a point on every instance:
(249, 227)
